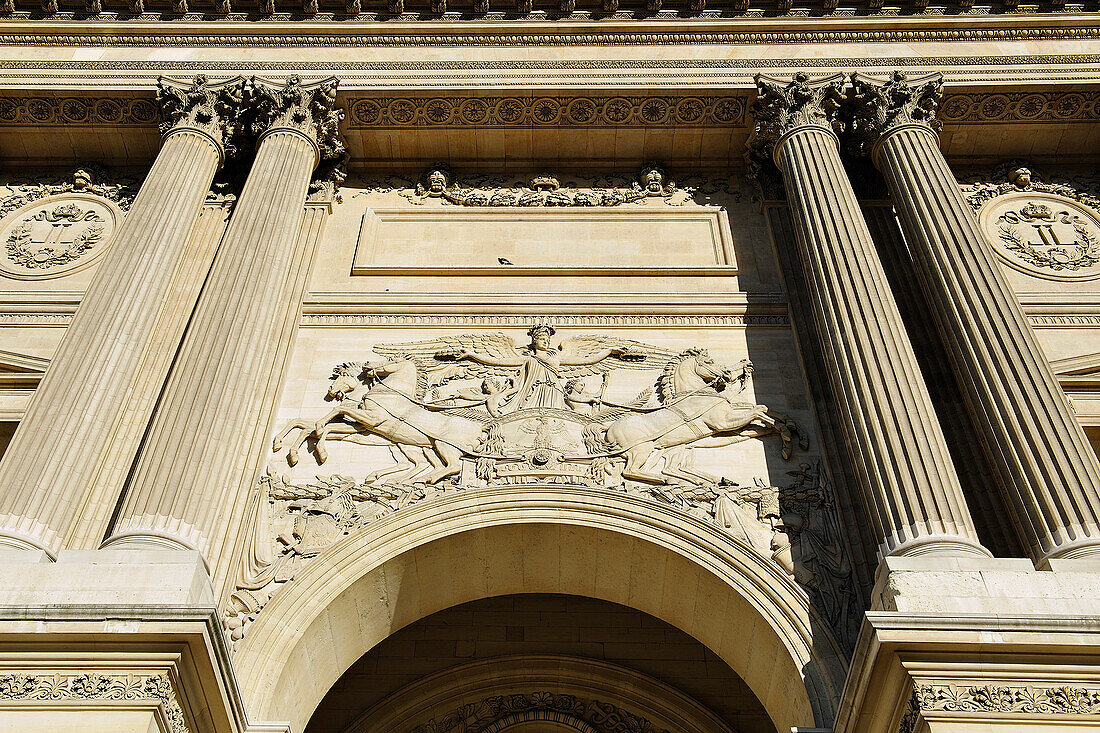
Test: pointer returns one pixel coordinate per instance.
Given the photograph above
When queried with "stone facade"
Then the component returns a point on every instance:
(614, 367)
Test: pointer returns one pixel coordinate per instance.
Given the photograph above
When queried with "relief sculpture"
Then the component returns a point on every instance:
(538, 413)
(478, 410)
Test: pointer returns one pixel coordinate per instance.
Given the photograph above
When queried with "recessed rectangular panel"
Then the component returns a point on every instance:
(511, 241)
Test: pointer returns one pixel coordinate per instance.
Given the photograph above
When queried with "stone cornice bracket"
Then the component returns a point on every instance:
(782, 107)
(212, 110)
(307, 109)
(880, 107)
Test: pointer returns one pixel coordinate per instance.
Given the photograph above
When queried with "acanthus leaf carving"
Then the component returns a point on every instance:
(784, 105)
(311, 110)
(879, 107)
(34, 687)
(214, 109)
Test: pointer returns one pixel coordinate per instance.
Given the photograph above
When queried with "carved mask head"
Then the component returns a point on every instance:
(81, 179)
(653, 180)
(1020, 178)
(438, 180)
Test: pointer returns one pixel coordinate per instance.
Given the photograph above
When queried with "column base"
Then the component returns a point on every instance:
(971, 645)
(115, 640)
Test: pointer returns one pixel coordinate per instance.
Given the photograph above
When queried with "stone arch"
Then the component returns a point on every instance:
(481, 543)
(503, 694)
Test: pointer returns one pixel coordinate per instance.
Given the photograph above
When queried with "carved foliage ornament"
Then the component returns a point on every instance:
(40, 241)
(53, 229)
(542, 190)
(1027, 699)
(35, 687)
(1047, 230)
(879, 107)
(212, 108)
(782, 106)
(308, 108)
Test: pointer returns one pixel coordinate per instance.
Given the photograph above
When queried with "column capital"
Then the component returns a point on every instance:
(784, 106)
(212, 110)
(308, 109)
(883, 106)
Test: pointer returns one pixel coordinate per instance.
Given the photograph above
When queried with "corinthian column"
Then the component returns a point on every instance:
(1046, 464)
(68, 460)
(905, 475)
(201, 455)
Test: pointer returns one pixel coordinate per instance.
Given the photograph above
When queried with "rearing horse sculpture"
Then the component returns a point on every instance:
(389, 409)
(693, 409)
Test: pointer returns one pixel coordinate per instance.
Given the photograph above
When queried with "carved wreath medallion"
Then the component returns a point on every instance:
(1045, 235)
(56, 235)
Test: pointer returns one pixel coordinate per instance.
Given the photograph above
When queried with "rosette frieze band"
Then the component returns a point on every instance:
(210, 109)
(906, 479)
(1043, 459)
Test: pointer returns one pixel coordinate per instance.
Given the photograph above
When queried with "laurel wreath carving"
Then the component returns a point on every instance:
(20, 253)
(1083, 253)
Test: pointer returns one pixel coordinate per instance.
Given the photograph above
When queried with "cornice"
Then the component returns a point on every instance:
(674, 30)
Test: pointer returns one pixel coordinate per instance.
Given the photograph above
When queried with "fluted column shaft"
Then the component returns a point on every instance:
(1045, 462)
(93, 404)
(907, 480)
(204, 445)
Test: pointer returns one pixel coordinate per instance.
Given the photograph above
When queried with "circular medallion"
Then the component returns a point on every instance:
(1044, 235)
(56, 236)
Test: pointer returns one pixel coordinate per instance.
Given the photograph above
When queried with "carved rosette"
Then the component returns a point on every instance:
(880, 107)
(308, 109)
(784, 106)
(211, 109)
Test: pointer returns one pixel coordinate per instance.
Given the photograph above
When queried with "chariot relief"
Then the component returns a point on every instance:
(481, 409)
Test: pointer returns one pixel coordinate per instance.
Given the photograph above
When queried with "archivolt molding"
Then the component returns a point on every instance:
(488, 695)
(324, 593)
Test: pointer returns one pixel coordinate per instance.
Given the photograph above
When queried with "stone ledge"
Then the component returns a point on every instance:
(986, 586)
(117, 578)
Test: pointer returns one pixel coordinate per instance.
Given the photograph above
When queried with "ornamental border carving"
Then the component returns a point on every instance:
(78, 111)
(555, 111)
(33, 687)
(531, 38)
(1025, 699)
(569, 321)
(610, 111)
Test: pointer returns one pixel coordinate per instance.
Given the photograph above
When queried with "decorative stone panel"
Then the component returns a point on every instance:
(56, 236)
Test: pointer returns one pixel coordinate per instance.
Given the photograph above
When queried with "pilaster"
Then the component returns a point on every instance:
(92, 407)
(907, 480)
(1044, 460)
(204, 446)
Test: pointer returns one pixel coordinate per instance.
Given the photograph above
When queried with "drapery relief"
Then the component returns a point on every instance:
(606, 413)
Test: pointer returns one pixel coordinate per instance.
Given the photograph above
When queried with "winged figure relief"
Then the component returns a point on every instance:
(537, 413)
(538, 375)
